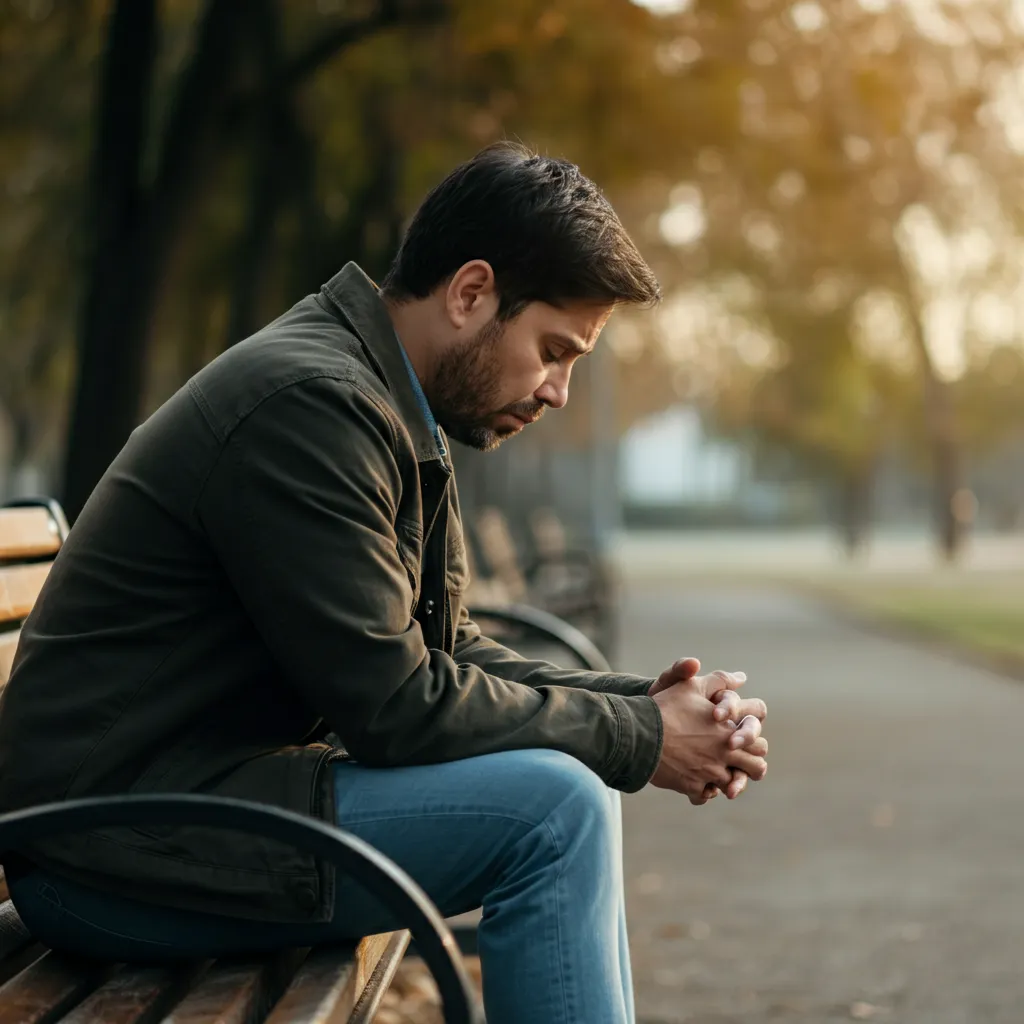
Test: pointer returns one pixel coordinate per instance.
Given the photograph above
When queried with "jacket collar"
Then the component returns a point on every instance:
(359, 301)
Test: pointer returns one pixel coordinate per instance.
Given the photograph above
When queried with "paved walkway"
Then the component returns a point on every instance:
(876, 874)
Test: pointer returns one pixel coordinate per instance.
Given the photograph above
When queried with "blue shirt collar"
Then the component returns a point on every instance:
(421, 400)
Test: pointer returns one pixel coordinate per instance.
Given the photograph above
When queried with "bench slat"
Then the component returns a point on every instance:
(48, 988)
(236, 992)
(8, 645)
(370, 990)
(333, 980)
(228, 994)
(132, 995)
(27, 533)
(19, 588)
(14, 935)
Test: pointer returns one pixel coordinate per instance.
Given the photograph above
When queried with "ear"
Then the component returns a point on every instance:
(470, 292)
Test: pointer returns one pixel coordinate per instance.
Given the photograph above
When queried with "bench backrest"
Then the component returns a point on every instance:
(31, 534)
(499, 551)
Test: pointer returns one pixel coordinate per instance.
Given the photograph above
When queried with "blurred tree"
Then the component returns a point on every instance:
(44, 96)
(785, 161)
(855, 134)
(234, 76)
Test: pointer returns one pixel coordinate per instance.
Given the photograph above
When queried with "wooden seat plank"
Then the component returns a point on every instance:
(8, 645)
(236, 992)
(19, 588)
(370, 990)
(45, 990)
(134, 995)
(14, 935)
(330, 984)
(28, 533)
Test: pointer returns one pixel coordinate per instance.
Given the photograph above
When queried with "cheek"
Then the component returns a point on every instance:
(521, 375)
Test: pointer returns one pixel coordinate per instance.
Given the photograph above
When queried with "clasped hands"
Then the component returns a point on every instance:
(712, 738)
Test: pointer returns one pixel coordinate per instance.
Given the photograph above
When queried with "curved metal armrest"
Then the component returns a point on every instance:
(548, 627)
(384, 879)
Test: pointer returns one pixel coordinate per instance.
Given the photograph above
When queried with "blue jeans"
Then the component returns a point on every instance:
(533, 837)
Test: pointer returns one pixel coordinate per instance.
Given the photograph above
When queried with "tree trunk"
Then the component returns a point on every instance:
(253, 259)
(267, 146)
(941, 428)
(135, 230)
(856, 492)
(947, 459)
(108, 367)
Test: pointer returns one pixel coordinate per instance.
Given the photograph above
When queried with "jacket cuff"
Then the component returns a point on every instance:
(627, 685)
(638, 750)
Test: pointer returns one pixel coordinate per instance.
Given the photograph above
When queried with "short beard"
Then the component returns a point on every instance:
(464, 387)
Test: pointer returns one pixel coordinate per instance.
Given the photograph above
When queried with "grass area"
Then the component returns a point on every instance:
(982, 612)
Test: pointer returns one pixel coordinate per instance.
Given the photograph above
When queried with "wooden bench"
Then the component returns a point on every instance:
(322, 985)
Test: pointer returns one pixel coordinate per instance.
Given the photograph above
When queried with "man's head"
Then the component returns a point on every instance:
(506, 275)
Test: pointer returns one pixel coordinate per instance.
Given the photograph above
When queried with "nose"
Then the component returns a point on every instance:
(554, 392)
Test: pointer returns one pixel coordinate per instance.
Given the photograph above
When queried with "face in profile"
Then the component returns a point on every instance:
(491, 385)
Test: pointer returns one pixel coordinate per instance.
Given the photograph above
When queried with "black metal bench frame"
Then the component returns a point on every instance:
(382, 877)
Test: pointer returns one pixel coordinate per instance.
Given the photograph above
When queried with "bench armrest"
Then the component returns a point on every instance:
(383, 878)
(548, 627)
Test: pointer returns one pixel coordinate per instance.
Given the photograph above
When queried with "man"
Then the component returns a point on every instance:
(276, 557)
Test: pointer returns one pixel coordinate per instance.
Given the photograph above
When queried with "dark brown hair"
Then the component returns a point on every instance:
(547, 231)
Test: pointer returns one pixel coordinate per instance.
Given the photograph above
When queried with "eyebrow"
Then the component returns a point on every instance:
(579, 347)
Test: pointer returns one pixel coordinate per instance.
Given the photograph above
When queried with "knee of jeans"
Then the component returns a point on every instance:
(571, 791)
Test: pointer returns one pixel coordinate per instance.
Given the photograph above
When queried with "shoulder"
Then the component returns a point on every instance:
(305, 362)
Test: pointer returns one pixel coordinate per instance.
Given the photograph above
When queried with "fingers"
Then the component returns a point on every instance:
(719, 775)
(719, 688)
(738, 784)
(759, 748)
(730, 707)
(677, 672)
(726, 703)
(709, 793)
(746, 732)
(746, 761)
(684, 668)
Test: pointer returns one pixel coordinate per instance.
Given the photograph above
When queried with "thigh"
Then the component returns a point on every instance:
(451, 826)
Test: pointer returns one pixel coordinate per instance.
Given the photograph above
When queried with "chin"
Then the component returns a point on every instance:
(483, 439)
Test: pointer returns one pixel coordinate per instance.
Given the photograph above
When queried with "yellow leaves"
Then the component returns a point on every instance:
(483, 29)
(551, 25)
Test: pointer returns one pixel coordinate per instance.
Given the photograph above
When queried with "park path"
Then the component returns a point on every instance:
(876, 874)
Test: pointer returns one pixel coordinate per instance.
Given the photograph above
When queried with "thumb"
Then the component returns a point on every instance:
(677, 672)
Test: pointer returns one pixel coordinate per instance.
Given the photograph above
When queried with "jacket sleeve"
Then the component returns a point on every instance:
(300, 510)
(473, 647)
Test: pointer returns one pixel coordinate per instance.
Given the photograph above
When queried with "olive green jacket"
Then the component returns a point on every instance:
(275, 556)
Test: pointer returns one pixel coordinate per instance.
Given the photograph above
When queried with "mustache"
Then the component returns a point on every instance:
(527, 409)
